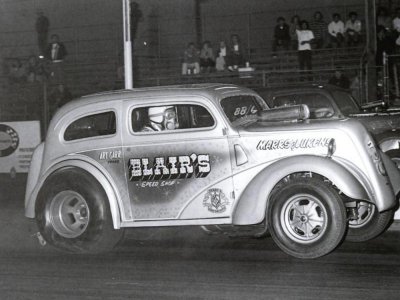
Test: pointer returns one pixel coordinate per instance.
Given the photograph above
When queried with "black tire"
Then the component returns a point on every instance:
(314, 199)
(73, 214)
(369, 224)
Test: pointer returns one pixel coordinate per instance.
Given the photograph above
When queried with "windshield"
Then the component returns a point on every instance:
(238, 107)
(346, 103)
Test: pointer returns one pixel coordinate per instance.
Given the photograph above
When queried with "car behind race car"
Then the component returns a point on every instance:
(208, 154)
(331, 102)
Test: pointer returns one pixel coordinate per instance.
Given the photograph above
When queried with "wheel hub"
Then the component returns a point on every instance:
(365, 212)
(304, 218)
(69, 214)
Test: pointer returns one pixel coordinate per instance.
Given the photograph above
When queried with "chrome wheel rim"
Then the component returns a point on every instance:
(304, 218)
(365, 212)
(69, 214)
(396, 161)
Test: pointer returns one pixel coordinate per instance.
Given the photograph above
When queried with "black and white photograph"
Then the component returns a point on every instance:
(199, 149)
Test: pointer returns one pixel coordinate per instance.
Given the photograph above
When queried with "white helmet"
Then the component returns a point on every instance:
(156, 114)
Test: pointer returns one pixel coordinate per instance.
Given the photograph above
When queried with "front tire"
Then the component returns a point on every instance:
(369, 223)
(73, 214)
(306, 217)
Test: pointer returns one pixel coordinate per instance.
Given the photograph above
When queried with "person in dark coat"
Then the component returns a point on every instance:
(56, 50)
(340, 80)
(281, 35)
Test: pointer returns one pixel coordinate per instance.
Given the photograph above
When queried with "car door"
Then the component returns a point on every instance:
(177, 174)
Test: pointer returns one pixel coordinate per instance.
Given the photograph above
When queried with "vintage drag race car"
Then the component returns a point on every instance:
(206, 155)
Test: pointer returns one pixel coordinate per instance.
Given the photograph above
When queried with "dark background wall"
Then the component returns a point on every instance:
(167, 26)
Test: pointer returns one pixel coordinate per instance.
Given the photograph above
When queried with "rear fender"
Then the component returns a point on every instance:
(253, 202)
(95, 172)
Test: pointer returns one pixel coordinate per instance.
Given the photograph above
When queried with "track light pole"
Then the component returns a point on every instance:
(127, 44)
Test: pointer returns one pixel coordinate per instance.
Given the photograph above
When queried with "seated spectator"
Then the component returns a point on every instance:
(56, 50)
(305, 37)
(281, 36)
(340, 80)
(383, 19)
(191, 60)
(207, 58)
(294, 25)
(35, 70)
(336, 31)
(235, 57)
(352, 30)
(15, 70)
(318, 27)
(222, 52)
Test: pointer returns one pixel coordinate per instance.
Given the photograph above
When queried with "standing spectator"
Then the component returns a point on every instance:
(56, 50)
(318, 27)
(293, 27)
(396, 27)
(42, 28)
(207, 57)
(352, 29)
(136, 16)
(191, 60)
(235, 56)
(383, 19)
(384, 43)
(56, 53)
(281, 36)
(340, 80)
(336, 31)
(305, 37)
(222, 52)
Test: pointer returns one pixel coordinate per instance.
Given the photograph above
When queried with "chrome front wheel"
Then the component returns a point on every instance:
(69, 214)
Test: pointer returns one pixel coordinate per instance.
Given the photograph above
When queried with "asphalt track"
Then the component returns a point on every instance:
(185, 263)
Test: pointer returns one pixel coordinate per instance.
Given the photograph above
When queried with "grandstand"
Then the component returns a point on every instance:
(95, 53)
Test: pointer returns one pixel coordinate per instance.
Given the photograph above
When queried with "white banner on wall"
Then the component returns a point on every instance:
(17, 142)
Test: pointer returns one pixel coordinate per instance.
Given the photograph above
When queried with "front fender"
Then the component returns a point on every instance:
(253, 201)
(103, 180)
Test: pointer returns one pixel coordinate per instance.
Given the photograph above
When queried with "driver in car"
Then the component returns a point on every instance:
(161, 118)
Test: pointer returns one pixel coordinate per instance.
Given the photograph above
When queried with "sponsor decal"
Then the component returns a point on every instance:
(9, 140)
(293, 144)
(150, 184)
(170, 167)
(111, 156)
(215, 200)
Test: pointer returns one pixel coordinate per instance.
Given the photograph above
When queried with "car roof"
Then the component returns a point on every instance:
(212, 91)
(297, 87)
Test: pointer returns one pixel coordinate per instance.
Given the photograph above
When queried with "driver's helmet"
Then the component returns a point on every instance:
(165, 116)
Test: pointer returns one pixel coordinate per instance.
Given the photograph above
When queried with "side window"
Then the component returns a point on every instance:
(90, 126)
(171, 117)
